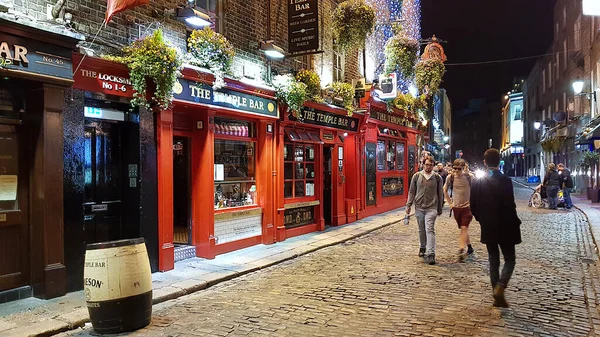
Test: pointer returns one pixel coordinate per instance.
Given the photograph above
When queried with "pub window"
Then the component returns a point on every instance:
(390, 155)
(212, 8)
(299, 170)
(235, 163)
(338, 63)
(381, 150)
(400, 156)
(303, 62)
(9, 167)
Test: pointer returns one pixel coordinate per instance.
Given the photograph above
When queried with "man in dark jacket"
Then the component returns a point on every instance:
(493, 205)
(552, 183)
(566, 184)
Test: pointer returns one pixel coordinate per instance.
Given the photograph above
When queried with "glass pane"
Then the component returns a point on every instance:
(400, 156)
(237, 157)
(299, 171)
(9, 168)
(299, 185)
(288, 171)
(310, 188)
(234, 194)
(391, 155)
(310, 171)
(299, 153)
(287, 189)
(381, 156)
(88, 163)
(310, 153)
(288, 154)
(231, 127)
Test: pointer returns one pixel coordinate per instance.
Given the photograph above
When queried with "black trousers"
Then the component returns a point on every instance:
(508, 251)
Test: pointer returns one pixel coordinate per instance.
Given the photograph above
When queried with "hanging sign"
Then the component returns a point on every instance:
(303, 25)
(389, 86)
(203, 93)
(99, 75)
(323, 118)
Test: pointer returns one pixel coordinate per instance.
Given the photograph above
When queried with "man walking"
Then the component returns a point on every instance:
(493, 205)
(566, 184)
(426, 193)
(458, 184)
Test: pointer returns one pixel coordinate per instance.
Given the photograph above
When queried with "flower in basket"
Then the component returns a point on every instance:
(211, 50)
(353, 20)
(313, 84)
(401, 53)
(343, 95)
(429, 75)
(151, 58)
(291, 93)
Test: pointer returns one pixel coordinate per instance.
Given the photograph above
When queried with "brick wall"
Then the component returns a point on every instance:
(244, 24)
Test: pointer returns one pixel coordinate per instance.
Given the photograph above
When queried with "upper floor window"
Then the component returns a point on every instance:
(303, 62)
(338, 63)
(212, 8)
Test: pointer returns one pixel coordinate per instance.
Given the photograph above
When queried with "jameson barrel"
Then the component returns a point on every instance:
(118, 285)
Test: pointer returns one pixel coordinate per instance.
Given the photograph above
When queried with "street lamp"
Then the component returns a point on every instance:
(577, 87)
(537, 125)
(446, 139)
(271, 50)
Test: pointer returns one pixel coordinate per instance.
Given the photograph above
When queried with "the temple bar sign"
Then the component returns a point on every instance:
(303, 25)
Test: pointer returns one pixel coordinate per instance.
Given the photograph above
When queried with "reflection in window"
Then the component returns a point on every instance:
(381, 155)
(299, 170)
(235, 164)
(9, 168)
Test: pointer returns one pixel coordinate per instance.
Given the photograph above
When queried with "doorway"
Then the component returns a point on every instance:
(327, 184)
(182, 224)
(103, 185)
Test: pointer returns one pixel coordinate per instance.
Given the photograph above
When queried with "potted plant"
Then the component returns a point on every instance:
(343, 95)
(151, 58)
(353, 20)
(290, 92)
(313, 84)
(429, 75)
(211, 50)
(401, 53)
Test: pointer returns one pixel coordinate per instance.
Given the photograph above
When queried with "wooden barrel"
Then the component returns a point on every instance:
(118, 285)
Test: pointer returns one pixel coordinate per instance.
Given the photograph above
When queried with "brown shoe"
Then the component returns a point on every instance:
(499, 300)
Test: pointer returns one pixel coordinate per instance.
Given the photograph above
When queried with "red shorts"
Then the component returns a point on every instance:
(463, 216)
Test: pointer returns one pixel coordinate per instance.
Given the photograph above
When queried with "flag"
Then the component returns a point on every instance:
(115, 6)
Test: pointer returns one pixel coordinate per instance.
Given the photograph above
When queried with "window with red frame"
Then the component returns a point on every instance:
(390, 155)
(299, 170)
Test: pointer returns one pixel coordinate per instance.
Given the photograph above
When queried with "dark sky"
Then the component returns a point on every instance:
(483, 30)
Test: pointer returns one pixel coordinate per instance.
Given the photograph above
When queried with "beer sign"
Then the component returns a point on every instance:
(303, 25)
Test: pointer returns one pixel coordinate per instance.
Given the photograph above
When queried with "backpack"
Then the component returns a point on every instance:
(451, 182)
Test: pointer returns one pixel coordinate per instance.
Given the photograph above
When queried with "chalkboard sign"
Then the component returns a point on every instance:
(371, 154)
(392, 187)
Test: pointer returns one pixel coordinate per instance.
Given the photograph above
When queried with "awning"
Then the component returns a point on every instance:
(303, 136)
(383, 131)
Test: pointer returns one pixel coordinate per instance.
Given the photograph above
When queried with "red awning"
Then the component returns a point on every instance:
(303, 136)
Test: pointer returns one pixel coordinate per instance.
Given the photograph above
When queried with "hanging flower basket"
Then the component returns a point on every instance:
(209, 49)
(353, 20)
(343, 95)
(151, 58)
(401, 53)
(429, 75)
(291, 93)
(313, 84)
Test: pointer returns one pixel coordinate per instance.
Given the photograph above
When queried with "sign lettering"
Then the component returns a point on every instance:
(204, 93)
(93, 282)
(323, 118)
(111, 84)
(392, 119)
(392, 187)
(303, 25)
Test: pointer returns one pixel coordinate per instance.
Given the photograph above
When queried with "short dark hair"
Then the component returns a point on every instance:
(492, 157)
(430, 158)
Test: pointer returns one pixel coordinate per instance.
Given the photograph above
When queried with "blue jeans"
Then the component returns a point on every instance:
(426, 221)
(552, 192)
(567, 195)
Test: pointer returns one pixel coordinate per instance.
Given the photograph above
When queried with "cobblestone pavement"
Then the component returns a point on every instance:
(377, 286)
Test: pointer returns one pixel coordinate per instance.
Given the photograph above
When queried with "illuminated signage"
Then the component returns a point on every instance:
(99, 113)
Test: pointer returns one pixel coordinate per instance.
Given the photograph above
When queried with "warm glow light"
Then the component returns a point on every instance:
(274, 54)
(591, 7)
(537, 125)
(197, 21)
(577, 87)
(506, 97)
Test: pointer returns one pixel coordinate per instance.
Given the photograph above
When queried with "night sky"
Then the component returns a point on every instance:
(483, 30)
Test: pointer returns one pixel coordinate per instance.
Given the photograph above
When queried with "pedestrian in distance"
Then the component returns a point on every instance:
(552, 183)
(457, 191)
(442, 171)
(493, 205)
(426, 194)
(566, 184)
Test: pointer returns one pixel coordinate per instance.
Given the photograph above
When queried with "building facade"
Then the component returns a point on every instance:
(512, 151)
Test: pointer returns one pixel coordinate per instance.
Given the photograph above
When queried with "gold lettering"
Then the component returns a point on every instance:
(21, 54)
(4, 49)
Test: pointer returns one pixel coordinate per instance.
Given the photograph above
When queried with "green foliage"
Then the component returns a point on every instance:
(345, 91)
(401, 53)
(353, 20)
(590, 159)
(553, 144)
(151, 58)
(290, 92)
(211, 50)
(429, 75)
(313, 84)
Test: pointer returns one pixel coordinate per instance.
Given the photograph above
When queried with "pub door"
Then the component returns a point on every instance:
(103, 181)
(182, 190)
(327, 184)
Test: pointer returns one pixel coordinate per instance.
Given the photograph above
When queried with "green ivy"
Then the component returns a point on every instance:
(353, 20)
(313, 84)
(401, 53)
(429, 75)
(211, 50)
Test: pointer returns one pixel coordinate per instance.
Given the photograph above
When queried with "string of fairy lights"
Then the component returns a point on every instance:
(405, 12)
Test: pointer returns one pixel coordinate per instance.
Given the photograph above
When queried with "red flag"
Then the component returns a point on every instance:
(115, 6)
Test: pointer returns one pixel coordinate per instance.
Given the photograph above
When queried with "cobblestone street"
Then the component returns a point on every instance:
(377, 286)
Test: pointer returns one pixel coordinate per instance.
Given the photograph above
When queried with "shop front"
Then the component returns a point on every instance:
(318, 150)
(215, 168)
(35, 69)
(390, 157)
(106, 165)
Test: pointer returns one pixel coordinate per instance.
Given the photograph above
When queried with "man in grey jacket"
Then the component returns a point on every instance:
(428, 197)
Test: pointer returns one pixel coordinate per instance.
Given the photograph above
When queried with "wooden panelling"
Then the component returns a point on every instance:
(11, 267)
